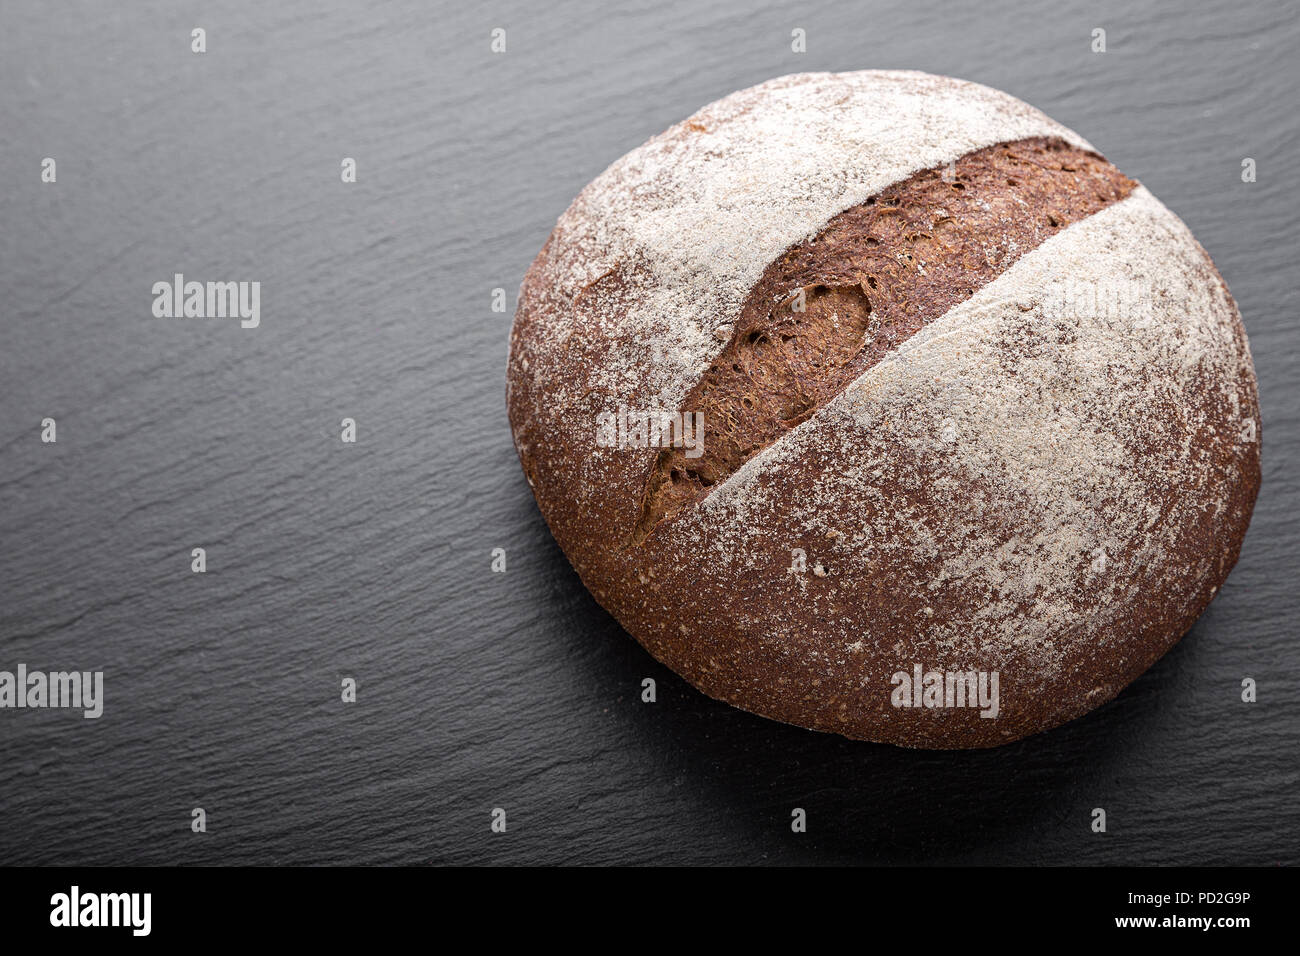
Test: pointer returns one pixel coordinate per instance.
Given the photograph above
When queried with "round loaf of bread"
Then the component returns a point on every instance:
(880, 403)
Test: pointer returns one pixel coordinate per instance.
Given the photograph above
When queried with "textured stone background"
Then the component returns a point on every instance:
(327, 560)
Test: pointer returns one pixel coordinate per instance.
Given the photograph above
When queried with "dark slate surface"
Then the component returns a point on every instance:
(480, 690)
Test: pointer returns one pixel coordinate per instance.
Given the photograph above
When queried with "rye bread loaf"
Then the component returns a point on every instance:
(975, 407)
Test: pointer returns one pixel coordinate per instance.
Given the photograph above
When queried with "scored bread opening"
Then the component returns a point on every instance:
(833, 306)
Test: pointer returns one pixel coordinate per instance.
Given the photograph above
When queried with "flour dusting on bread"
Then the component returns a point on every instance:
(689, 220)
(1049, 480)
(1060, 429)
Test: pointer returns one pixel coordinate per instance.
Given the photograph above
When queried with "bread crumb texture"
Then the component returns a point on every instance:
(1049, 477)
(829, 308)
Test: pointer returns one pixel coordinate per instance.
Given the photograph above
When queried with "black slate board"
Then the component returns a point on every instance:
(480, 690)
